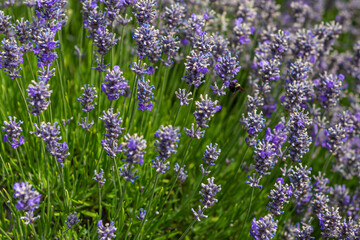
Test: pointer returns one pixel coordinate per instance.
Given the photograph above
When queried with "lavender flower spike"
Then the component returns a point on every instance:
(145, 95)
(205, 110)
(182, 174)
(145, 11)
(99, 177)
(11, 58)
(12, 131)
(38, 93)
(166, 145)
(227, 67)
(87, 98)
(183, 96)
(166, 142)
(208, 192)
(199, 213)
(29, 200)
(134, 149)
(112, 122)
(211, 154)
(106, 232)
(72, 220)
(115, 84)
(196, 66)
(142, 214)
(279, 196)
(264, 228)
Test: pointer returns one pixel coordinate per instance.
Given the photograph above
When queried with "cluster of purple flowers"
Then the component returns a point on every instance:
(13, 131)
(97, 21)
(106, 231)
(183, 96)
(208, 193)
(196, 66)
(86, 101)
(115, 84)
(205, 110)
(299, 140)
(264, 228)
(38, 93)
(166, 144)
(145, 95)
(279, 196)
(112, 123)
(72, 220)
(254, 123)
(182, 173)
(298, 87)
(50, 135)
(11, 57)
(134, 149)
(327, 89)
(88, 97)
(227, 67)
(28, 201)
(99, 177)
(291, 54)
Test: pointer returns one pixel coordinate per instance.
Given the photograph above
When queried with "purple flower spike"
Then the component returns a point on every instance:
(106, 232)
(196, 67)
(28, 200)
(11, 58)
(142, 214)
(205, 110)
(38, 93)
(12, 131)
(264, 228)
(227, 67)
(145, 95)
(99, 177)
(211, 154)
(112, 122)
(183, 96)
(87, 98)
(133, 148)
(115, 84)
(72, 220)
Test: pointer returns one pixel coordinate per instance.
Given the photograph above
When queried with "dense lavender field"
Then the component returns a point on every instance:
(165, 119)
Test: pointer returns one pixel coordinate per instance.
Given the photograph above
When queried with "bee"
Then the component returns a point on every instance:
(235, 87)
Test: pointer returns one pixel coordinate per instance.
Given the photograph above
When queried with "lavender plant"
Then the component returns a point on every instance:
(283, 73)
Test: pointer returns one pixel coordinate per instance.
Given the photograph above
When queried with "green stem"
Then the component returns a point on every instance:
(63, 186)
(147, 208)
(4, 233)
(133, 101)
(115, 189)
(195, 190)
(47, 177)
(25, 102)
(33, 228)
(20, 163)
(84, 144)
(226, 187)
(118, 179)
(178, 173)
(327, 163)
(187, 230)
(100, 208)
(101, 153)
(249, 209)
(31, 69)
(121, 201)
(177, 113)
